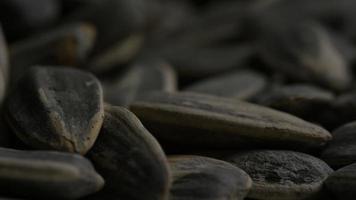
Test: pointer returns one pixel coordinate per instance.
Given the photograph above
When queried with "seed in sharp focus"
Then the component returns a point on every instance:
(282, 175)
(68, 45)
(129, 158)
(194, 120)
(341, 150)
(306, 52)
(342, 183)
(139, 80)
(46, 174)
(57, 108)
(200, 178)
(243, 84)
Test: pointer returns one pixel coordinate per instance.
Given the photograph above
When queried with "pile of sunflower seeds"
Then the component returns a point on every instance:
(178, 99)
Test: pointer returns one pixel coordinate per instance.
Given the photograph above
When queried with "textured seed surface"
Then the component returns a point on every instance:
(129, 158)
(198, 178)
(242, 84)
(138, 81)
(342, 183)
(282, 174)
(201, 120)
(341, 150)
(46, 174)
(57, 108)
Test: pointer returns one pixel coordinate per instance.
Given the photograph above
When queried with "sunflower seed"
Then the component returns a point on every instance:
(281, 175)
(129, 158)
(62, 109)
(193, 120)
(45, 174)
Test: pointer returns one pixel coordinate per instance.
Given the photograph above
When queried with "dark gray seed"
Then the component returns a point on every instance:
(203, 178)
(306, 52)
(129, 158)
(194, 120)
(45, 174)
(118, 54)
(282, 175)
(341, 150)
(4, 66)
(302, 100)
(242, 84)
(68, 45)
(342, 183)
(57, 108)
(139, 80)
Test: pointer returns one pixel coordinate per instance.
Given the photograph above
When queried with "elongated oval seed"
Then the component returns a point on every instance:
(40, 174)
(282, 175)
(130, 159)
(57, 108)
(192, 120)
(200, 178)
